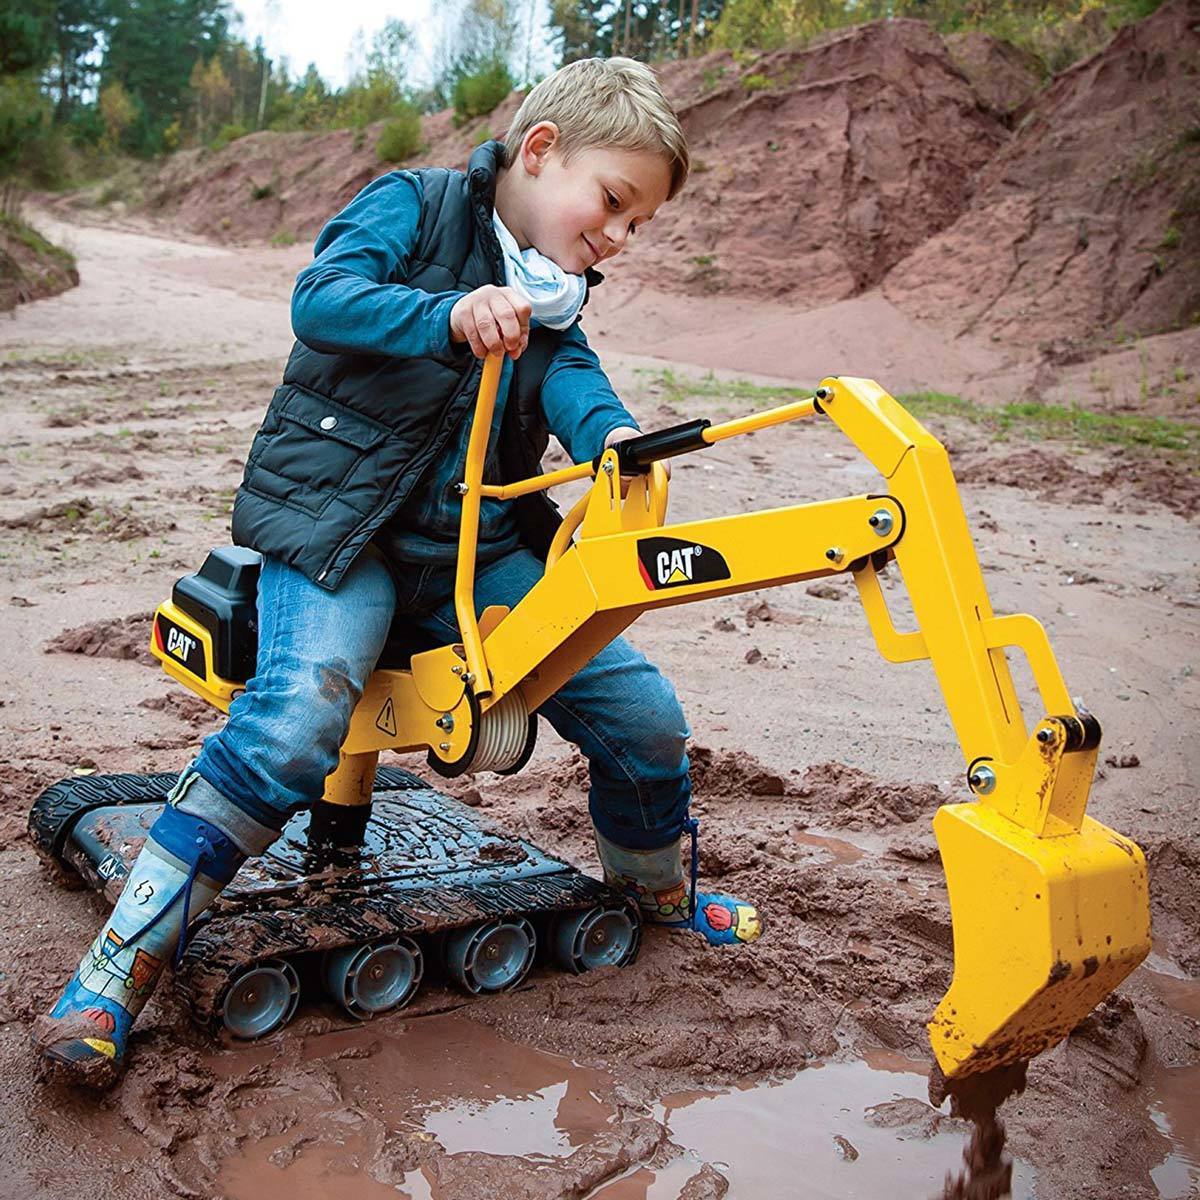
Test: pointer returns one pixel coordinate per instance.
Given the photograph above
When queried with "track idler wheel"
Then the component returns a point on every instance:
(594, 937)
(261, 999)
(491, 957)
(369, 980)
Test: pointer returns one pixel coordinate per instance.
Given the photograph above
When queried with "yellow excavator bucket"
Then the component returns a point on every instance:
(1044, 929)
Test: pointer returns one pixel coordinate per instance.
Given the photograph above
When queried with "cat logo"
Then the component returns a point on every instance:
(667, 562)
(180, 644)
(184, 647)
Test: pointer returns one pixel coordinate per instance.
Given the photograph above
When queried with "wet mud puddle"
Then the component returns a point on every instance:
(849, 1130)
(440, 1104)
(1175, 1091)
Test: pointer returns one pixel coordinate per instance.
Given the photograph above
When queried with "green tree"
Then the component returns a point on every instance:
(76, 33)
(30, 146)
(377, 89)
(477, 42)
(152, 48)
(24, 36)
(646, 29)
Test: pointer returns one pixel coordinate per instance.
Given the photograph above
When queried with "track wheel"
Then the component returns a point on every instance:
(374, 979)
(594, 937)
(492, 956)
(261, 999)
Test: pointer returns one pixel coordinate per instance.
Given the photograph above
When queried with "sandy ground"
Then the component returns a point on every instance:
(129, 403)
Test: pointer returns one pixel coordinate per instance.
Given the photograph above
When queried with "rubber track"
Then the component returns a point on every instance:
(220, 949)
(56, 810)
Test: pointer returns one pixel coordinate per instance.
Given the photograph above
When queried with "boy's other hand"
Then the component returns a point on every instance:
(622, 434)
(493, 320)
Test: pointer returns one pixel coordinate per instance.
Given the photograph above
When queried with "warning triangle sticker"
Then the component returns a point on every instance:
(387, 719)
(677, 576)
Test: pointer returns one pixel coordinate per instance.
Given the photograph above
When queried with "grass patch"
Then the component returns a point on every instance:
(29, 237)
(1061, 423)
(676, 390)
(1038, 422)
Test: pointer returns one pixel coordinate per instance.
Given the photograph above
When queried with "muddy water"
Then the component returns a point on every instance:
(454, 1091)
(840, 850)
(855, 1129)
(1174, 1091)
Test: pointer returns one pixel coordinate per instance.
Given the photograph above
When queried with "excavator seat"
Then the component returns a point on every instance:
(222, 596)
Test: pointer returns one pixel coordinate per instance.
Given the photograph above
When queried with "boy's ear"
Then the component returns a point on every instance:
(536, 146)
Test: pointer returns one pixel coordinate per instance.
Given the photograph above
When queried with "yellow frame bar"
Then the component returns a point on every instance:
(474, 489)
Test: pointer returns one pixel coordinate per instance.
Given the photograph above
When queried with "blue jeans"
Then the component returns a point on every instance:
(316, 649)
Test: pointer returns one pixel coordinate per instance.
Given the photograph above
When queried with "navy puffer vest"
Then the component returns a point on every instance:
(347, 438)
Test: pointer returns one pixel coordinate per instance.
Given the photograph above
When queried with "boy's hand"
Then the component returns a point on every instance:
(494, 320)
(622, 434)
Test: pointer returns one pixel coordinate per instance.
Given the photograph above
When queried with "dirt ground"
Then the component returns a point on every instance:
(794, 1067)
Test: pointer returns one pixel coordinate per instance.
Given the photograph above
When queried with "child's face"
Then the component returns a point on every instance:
(583, 211)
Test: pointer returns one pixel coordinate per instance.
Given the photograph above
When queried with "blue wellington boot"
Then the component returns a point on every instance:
(655, 879)
(184, 864)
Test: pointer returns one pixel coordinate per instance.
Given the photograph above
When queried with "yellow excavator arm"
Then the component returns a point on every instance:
(1050, 908)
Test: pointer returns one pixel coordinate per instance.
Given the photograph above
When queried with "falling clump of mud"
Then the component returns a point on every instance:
(988, 1173)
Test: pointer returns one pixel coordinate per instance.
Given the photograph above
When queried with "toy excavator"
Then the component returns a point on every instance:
(1050, 908)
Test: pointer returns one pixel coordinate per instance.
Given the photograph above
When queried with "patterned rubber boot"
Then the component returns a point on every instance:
(655, 879)
(184, 864)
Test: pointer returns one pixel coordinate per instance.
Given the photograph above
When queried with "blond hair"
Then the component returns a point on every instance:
(611, 103)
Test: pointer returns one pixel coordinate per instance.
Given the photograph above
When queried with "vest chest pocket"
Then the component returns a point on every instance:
(310, 447)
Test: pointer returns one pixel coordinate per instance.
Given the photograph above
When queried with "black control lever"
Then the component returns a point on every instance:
(635, 455)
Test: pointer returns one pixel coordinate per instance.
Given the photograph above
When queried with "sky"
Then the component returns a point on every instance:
(318, 31)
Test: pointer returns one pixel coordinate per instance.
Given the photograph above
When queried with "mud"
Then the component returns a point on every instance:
(817, 770)
(988, 1174)
(1126, 483)
(121, 637)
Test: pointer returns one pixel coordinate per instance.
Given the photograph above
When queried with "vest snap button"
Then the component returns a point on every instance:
(328, 422)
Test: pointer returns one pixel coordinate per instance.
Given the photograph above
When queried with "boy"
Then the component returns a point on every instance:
(349, 493)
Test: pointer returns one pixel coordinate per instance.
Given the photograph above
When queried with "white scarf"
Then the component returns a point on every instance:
(556, 297)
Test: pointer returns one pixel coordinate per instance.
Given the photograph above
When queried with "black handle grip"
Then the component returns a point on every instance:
(635, 455)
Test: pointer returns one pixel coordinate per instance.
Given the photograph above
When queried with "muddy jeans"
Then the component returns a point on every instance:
(316, 649)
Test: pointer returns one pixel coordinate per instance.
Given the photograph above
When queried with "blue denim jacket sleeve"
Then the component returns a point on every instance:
(578, 402)
(345, 300)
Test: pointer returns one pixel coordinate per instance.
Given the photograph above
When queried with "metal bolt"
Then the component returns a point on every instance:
(376, 972)
(251, 996)
(607, 467)
(1046, 736)
(446, 722)
(834, 554)
(456, 670)
(468, 677)
(462, 488)
(824, 393)
(881, 521)
(982, 779)
(443, 745)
